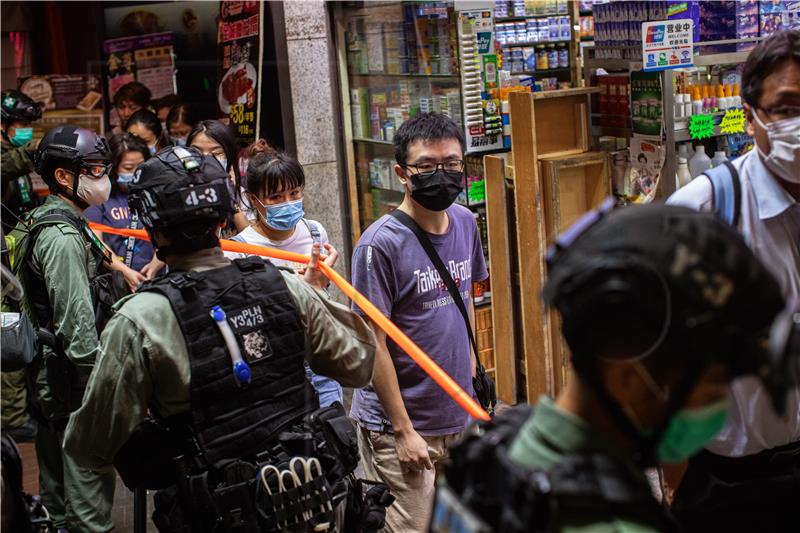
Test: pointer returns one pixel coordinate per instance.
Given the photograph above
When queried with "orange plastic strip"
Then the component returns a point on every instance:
(415, 352)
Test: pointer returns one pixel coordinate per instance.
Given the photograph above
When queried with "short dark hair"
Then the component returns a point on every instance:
(135, 92)
(765, 58)
(268, 172)
(149, 120)
(425, 127)
(120, 144)
(225, 137)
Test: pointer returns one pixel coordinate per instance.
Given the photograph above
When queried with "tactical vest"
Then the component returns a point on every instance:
(484, 491)
(227, 421)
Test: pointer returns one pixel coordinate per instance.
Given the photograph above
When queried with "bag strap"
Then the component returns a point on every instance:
(726, 192)
(427, 245)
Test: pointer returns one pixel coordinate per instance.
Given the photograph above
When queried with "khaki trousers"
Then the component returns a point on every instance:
(413, 490)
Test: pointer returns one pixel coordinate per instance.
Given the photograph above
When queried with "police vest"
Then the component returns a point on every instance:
(483, 491)
(228, 421)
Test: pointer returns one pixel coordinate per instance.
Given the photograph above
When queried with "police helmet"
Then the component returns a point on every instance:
(70, 147)
(180, 189)
(688, 272)
(17, 105)
(688, 275)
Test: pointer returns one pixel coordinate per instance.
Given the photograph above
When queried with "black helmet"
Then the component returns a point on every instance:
(72, 148)
(687, 275)
(17, 105)
(183, 194)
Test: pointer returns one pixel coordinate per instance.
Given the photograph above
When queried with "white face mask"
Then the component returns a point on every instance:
(784, 143)
(94, 191)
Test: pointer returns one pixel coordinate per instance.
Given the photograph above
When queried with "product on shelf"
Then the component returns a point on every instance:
(719, 158)
(682, 176)
(700, 162)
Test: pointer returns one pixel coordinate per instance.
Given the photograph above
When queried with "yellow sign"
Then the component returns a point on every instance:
(732, 122)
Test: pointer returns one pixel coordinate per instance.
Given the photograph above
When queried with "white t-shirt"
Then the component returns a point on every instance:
(300, 242)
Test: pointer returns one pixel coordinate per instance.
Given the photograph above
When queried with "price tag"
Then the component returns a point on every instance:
(732, 121)
(701, 126)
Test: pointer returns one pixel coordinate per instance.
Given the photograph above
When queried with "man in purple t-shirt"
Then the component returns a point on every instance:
(406, 421)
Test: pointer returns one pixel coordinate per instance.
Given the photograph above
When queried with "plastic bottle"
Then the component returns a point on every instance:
(700, 162)
(697, 101)
(706, 100)
(687, 104)
(729, 95)
(721, 102)
(682, 176)
(683, 151)
(737, 100)
(719, 158)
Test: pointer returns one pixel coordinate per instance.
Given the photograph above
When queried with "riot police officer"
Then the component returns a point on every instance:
(57, 256)
(215, 351)
(661, 307)
(19, 111)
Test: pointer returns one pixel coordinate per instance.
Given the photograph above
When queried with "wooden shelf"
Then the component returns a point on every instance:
(578, 91)
(454, 77)
(535, 43)
(535, 72)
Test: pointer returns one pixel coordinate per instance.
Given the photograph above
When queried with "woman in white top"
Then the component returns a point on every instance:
(274, 193)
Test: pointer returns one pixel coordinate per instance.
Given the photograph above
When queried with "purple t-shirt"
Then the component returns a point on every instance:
(115, 213)
(392, 270)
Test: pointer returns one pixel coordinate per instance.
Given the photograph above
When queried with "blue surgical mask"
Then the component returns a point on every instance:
(179, 141)
(224, 162)
(285, 216)
(152, 150)
(22, 136)
(123, 181)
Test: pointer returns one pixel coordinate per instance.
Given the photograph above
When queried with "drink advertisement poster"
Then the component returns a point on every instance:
(240, 49)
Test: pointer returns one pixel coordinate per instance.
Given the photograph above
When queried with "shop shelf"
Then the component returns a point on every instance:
(534, 72)
(372, 141)
(526, 17)
(454, 77)
(534, 43)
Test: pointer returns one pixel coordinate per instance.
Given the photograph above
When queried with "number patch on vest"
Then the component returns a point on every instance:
(248, 323)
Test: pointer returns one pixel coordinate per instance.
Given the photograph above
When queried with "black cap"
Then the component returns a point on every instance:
(663, 261)
(17, 105)
(180, 186)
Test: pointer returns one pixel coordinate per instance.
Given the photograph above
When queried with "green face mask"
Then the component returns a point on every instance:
(689, 430)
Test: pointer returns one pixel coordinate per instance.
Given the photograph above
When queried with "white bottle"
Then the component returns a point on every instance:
(719, 158)
(682, 175)
(700, 162)
(683, 151)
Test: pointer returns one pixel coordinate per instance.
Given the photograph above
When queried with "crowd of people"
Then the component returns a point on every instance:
(217, 378)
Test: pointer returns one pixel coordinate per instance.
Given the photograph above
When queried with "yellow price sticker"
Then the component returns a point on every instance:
(732, 121)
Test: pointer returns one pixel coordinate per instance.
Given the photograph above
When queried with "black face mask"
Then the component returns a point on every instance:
(438, 191)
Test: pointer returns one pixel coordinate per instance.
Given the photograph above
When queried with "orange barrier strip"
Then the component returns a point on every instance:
(415, 352)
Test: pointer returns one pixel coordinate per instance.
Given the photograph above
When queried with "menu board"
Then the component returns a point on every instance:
(59, 91)
(240, 57)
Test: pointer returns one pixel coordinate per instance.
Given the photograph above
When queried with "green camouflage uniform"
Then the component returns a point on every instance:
(77, 498)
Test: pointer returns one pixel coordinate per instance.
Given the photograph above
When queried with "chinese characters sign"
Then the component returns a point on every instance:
(240, 66)
(667, 44)
(732, 122)
(701, 126)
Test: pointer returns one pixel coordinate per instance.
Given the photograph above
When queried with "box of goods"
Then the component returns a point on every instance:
(717, 23)
(685, 10)
(770, 16)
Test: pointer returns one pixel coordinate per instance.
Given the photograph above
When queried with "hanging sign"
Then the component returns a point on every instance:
(701, 126)
(667, 44)
(240, 49)
(732, 121)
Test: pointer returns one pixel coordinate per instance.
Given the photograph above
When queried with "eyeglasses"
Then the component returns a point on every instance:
(428, 169)
(781, 112)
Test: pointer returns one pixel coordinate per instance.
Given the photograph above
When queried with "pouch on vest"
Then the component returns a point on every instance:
(18, 341)
(146, 458)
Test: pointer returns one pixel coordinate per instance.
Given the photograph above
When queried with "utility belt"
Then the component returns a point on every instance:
(294, 484)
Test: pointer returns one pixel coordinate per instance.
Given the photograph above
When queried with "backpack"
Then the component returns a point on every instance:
(32, 327)
(726, 192)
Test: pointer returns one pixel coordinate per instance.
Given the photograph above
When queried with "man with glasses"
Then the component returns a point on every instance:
(405, 420)
(748, 478)
(56, 255)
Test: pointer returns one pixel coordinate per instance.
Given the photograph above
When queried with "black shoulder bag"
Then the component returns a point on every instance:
(482, 384)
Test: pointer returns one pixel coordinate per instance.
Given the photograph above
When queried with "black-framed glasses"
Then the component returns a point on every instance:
(429, 168)
(781, 112)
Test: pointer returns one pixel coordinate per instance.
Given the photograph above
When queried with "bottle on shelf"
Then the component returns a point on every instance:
(699, 162)
(719, 158)
(737, 100)
(722, 104)
(697, 101)
(684, 152)
(682, 175)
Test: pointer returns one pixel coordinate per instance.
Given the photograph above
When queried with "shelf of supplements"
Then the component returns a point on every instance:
(534, 43)
(526, 17)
